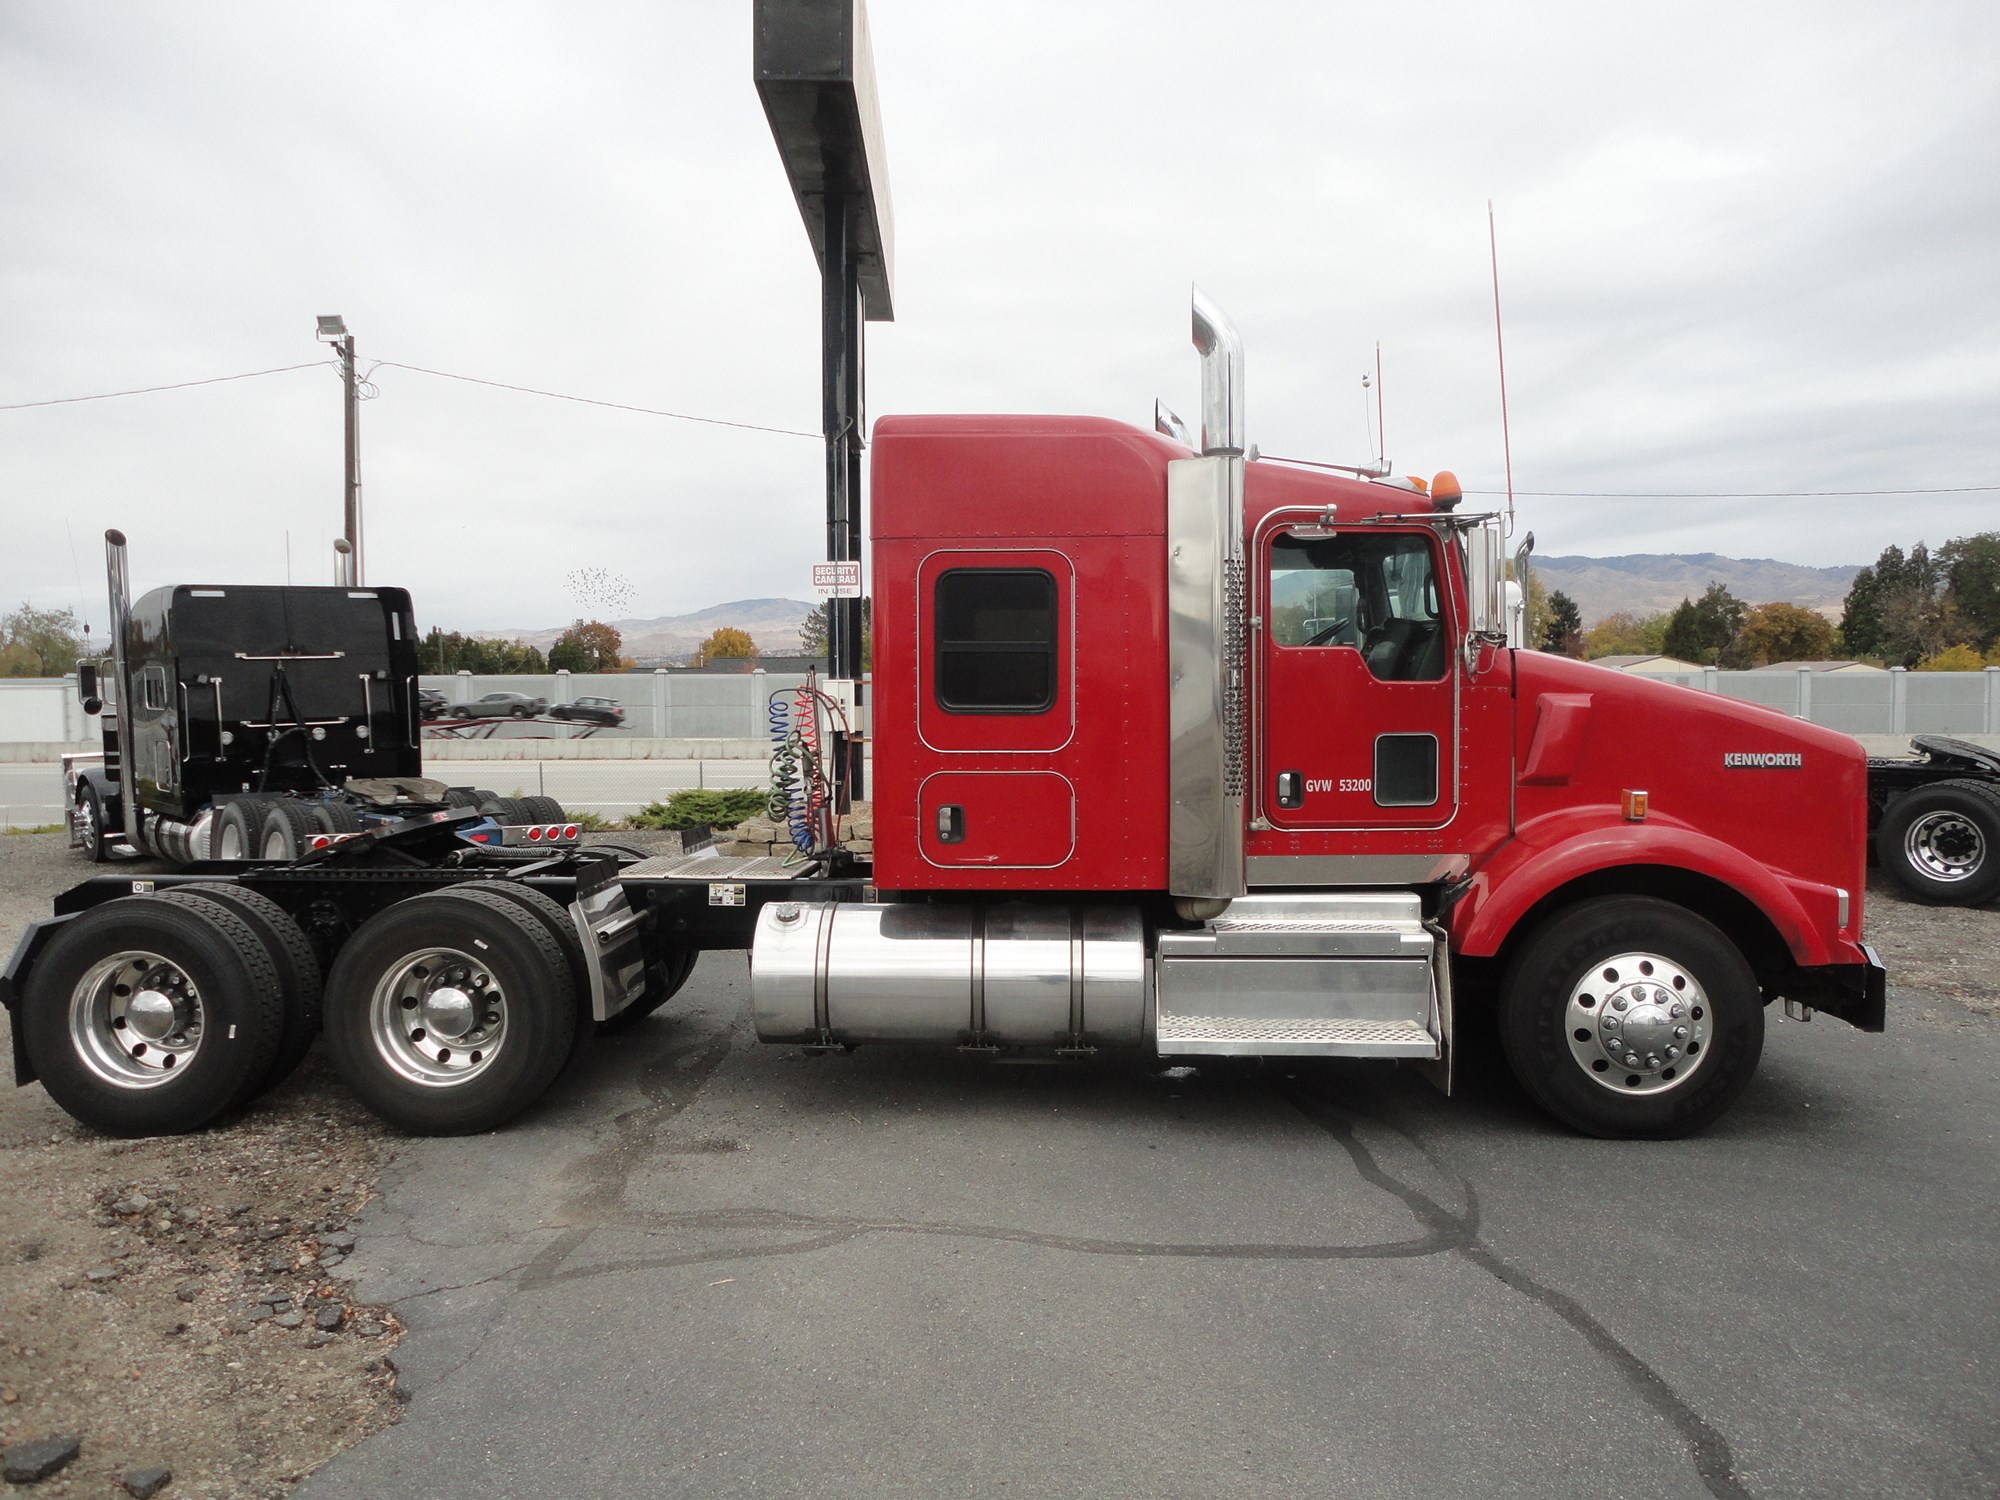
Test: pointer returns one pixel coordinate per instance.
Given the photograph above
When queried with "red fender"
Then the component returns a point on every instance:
(1555, 850)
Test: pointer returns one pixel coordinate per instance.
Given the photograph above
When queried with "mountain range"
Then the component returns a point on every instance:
(1648, 582)
(772, 623)
(1643, 582)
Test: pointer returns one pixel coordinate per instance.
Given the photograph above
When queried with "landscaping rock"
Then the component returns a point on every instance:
(145, 1483)
(35, 1460)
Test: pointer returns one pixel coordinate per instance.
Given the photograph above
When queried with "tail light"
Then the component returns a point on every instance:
(571, 831)
(535, 834)
(320, 841)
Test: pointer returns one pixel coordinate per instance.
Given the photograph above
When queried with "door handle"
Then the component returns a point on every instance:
(1291, 789)
(951, 824)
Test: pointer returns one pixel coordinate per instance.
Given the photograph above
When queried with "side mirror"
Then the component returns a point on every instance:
(86, 684)
(93, 705)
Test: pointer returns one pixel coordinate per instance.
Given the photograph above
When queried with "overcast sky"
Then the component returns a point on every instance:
(1742, 248)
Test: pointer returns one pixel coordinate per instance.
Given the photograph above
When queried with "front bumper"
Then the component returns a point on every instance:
(1857, 993)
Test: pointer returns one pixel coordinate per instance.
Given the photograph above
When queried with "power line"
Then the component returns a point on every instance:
(148, 390)
(649, 411)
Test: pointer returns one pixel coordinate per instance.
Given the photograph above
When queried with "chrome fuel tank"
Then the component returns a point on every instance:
(1004, 976)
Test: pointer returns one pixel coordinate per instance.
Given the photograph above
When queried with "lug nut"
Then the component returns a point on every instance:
(1677, 1010)
(1620, 1003)
(1672, 1053)
(1680, 1033)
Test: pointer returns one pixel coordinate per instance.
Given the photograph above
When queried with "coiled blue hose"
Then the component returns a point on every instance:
(787, 802)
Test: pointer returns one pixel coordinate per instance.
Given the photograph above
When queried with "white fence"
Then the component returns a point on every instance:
(39, 716)
(660, 704)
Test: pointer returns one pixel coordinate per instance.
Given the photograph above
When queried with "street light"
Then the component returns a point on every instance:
(333, 330)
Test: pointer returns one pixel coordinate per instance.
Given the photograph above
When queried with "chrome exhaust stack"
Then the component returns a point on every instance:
(120, 591)
(1206, 631)
(343, 563)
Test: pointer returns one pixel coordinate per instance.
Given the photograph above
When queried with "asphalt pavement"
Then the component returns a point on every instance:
(708, 1267)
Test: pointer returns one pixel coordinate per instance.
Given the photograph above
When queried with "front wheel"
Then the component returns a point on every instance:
(90, 826)
(1940, 844)
(1628, 1017)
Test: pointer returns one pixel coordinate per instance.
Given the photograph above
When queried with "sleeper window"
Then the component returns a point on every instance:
(996, 640)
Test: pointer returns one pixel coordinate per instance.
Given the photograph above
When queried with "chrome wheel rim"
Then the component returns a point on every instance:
(136, 1020)
(229, 840)
(275, 843)
(1945, 846)
(86, 822)
(438, 1018)
(1638, 1024)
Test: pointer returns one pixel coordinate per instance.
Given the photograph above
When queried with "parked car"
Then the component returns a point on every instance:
(591, 711)
(431, 704)
(501, 706)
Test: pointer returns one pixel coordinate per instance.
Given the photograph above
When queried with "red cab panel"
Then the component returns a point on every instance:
(997, 820)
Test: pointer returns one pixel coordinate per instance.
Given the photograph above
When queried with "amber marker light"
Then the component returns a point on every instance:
(1445, 489)
(1635, 806)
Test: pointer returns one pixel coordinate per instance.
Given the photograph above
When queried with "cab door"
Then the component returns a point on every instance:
(1360, 680)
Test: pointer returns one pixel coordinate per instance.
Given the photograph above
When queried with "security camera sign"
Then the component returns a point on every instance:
(837, 580)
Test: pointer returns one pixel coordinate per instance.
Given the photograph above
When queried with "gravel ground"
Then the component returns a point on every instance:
(138, 1278)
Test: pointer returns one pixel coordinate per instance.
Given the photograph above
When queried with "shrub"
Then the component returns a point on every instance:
(717, 808)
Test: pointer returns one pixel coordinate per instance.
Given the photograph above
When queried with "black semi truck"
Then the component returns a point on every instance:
(260, 721)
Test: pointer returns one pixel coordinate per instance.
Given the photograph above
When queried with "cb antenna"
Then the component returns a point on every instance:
(1500, 346)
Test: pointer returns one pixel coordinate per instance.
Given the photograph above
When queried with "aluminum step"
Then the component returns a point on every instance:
(1240, 1036)
(1323, 974)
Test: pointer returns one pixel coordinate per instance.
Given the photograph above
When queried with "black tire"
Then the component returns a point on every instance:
(299, 975)
(1940, 844)
(543, 810)
(522, 713)
(556, 923)
(333, 818)
(461, 796)
(409, 1076)
(96, 845)
(235, 835)
(508, 810)
(483, 795)
(284, 830)
(126, 1087)
(664, 978)
(1690, 1007)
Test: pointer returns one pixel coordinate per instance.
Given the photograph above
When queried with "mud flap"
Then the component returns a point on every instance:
(14, 977)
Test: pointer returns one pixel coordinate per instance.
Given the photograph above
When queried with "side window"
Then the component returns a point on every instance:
(153, 687)
(996, 640)
(1376, 593)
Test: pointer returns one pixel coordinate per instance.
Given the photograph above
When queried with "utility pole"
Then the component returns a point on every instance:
(333, 330)
(815, 74)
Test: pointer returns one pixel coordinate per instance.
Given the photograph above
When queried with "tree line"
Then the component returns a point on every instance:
(1932, 611)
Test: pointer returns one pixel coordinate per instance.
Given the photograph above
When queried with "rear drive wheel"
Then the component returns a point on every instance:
(556, 923)
(299, 976)
(333, 818)
(509, 810)
(1940, 844)
(461, 796)
(235, 835)
(1630, 1017)
(450, 1012)
(543, 810)
(151, 1017)
(285, 830)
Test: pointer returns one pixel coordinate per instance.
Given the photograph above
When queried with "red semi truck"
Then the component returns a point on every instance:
(1176, 749)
